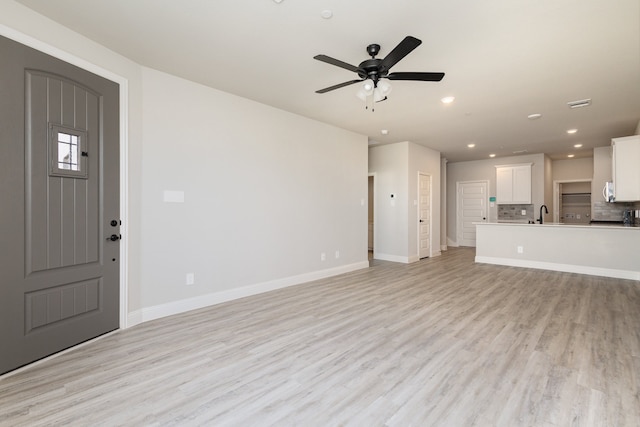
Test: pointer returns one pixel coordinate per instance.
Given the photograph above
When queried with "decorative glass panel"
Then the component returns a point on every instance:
(67, 151)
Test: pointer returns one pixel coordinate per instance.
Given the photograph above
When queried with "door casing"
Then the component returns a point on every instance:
(430, 219)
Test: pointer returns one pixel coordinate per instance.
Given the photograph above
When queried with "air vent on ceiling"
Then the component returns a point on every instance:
(580, 103)
(520, 152)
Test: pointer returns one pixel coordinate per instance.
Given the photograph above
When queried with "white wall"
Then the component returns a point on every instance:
(396, 167)
(390, 163)
(265, 191)
(573, 169)
(484, 170)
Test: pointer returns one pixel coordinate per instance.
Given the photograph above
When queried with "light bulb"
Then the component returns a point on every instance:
(368, 86)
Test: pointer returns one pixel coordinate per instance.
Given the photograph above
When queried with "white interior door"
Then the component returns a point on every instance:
(471, 207)
(424, 217)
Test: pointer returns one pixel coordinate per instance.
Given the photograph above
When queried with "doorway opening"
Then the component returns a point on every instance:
(572, 201)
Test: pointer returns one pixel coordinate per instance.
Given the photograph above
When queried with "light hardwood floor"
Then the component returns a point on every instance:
(441, 342)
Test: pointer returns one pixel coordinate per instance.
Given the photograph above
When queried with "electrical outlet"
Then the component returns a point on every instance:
(523, 212)
(520, 249)
(323, 256)
(337, 254)
(190, 279)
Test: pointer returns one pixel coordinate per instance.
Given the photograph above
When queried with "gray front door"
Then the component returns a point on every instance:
(59, 205)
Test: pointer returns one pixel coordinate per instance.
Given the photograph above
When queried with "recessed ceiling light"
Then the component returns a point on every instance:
(384, 132)
(447, 99)
(492, 155)
(577, 145)
(571, 155)
(277, 1)
(326, 14)
(534, 116)
(471, 145)
(572, 131)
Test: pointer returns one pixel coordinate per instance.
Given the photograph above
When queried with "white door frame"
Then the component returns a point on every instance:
(124, 145)
(556, 196)
(458, 216)
(375, 214)
(430, 214)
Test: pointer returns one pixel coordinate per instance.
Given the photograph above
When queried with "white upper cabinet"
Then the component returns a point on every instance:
(626, 168)
(513, 184)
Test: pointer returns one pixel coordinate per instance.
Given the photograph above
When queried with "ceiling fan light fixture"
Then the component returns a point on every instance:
(384, 87)
(381, 91)
(366, 90)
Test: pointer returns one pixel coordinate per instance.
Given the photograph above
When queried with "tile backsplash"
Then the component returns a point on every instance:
(603, 211)
(514, 213)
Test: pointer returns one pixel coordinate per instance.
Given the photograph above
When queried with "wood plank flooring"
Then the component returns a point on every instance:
(441, 342)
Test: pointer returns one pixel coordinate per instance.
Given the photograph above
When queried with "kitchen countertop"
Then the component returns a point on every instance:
(559, 224)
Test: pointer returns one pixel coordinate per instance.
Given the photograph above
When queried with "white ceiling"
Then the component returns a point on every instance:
(503, 59)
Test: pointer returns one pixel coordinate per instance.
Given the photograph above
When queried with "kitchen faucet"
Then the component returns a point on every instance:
(541, 220)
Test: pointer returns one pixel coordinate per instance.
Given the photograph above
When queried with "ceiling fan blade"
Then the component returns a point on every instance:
(337, 63)
(338, 86)
(424, 77)
(403, 49)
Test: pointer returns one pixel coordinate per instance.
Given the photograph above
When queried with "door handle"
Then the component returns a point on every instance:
(114, 237)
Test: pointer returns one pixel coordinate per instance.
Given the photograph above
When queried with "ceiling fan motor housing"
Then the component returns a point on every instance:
(370, 69)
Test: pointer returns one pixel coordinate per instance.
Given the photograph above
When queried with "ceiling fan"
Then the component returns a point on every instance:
(375, 69)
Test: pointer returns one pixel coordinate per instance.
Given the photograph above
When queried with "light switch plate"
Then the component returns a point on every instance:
(173, 196)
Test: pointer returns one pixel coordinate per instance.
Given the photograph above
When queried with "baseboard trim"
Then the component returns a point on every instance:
(452, 243)
(392, 258)
(176, 307)
(567, 268)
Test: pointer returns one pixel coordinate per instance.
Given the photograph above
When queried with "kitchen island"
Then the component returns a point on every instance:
(599, 250)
